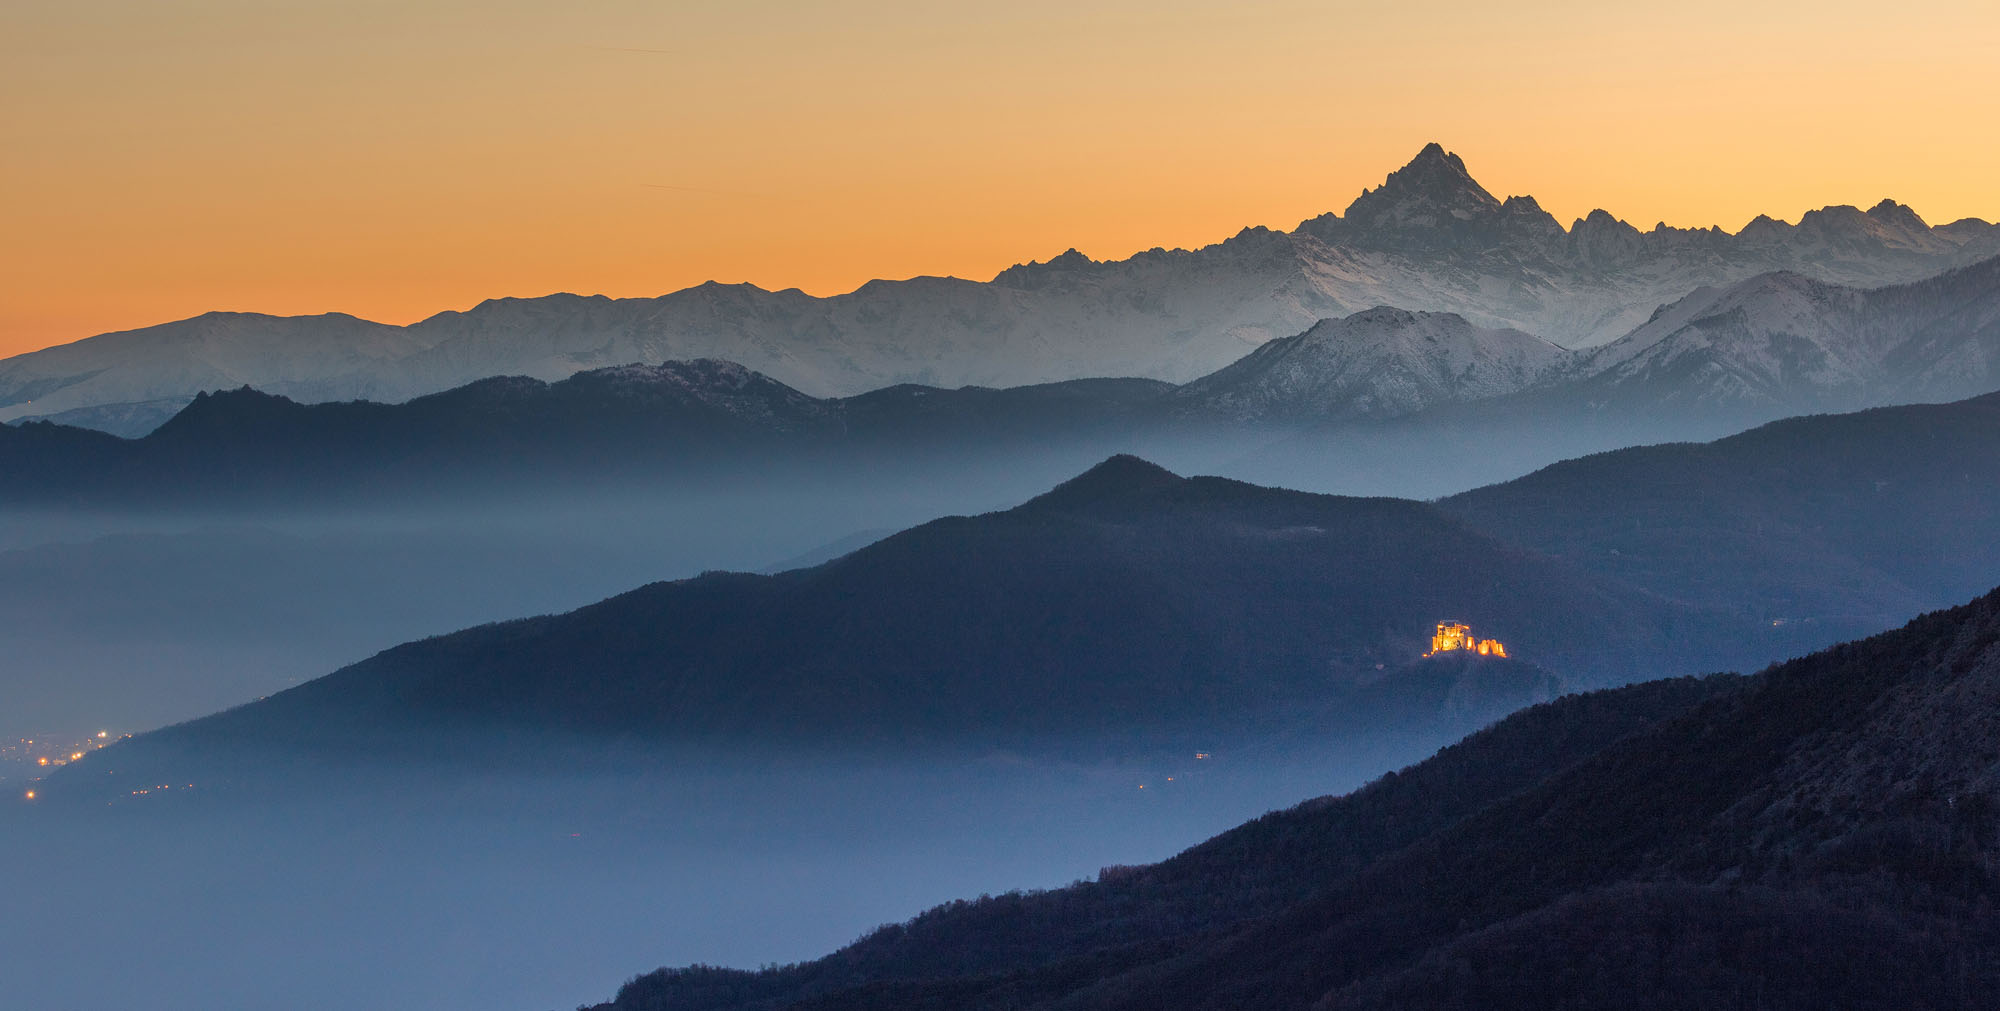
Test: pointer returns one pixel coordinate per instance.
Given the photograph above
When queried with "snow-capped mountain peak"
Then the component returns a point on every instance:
(1435, 182)
(1378, 363)
(1430, 238)
(1783, 342)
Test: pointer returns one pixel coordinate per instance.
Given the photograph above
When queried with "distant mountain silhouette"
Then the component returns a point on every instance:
(127, 421)
(1852, 520)
(1430, 239)
(1714, 363)
(514, 435)
(1434, 206)
(1816, 528)
(973, 416)
(1386, 386)
(1127, 608)
(1822, 834)
(1820, 528)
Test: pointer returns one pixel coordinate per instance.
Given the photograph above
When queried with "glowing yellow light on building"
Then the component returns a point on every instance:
(75, 755)
(44, 761)
(31, 795)
(1456, 635)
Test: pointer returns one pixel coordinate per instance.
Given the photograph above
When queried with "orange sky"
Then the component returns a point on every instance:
(392, 159)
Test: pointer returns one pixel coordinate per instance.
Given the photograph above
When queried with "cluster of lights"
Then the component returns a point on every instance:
(26, 745)
(74, 756)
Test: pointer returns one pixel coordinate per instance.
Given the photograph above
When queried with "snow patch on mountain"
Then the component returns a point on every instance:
(1430, 239)
(1383, 362)
(1789, 342)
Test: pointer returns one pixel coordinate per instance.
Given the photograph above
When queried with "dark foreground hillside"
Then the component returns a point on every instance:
(1823, 834)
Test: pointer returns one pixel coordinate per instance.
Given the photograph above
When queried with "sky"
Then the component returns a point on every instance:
(163, 158)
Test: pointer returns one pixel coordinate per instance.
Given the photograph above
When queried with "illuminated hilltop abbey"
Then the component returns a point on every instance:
(1453, 635)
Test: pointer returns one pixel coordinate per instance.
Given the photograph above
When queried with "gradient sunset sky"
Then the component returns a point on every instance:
(393, 159)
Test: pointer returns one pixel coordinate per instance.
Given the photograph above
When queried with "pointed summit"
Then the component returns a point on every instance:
(1604, 241)
(1435, 181)
(1434, 152)
(1121, 479)
(1036, 274)
(1434, 205)
(225, 412)
(1903, 216)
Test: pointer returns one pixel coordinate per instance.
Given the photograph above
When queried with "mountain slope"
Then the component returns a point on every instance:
(1832, 526)
(329, 357)
(1127, 608)
(1784, 343)
(1384, 362)
(1849, 521)
(1717, 362)
(1823, 834)
(1429, 239)
(1268, 863)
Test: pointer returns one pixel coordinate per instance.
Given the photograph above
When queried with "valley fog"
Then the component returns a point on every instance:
(624, 507)
(133, 619)
(402, 889)
(409, 888)
(543, 872)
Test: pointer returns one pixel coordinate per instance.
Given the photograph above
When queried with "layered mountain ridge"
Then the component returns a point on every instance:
(1129, 603)
(1429, 240)
(1715, 361)
(1162, 609)
(674, 423)
(1784, 342)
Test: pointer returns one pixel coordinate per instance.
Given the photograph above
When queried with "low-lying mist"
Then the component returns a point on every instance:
(405, 889)
(139, 617)
(408, 887)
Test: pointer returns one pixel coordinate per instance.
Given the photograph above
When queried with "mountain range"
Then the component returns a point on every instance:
(1386, 386)
(1131, 607)
(1865, 517)
(1785, 343)
(1563, 436)
(1124, 611)
(675, 423)
(1822, 834)
(1429, 240)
